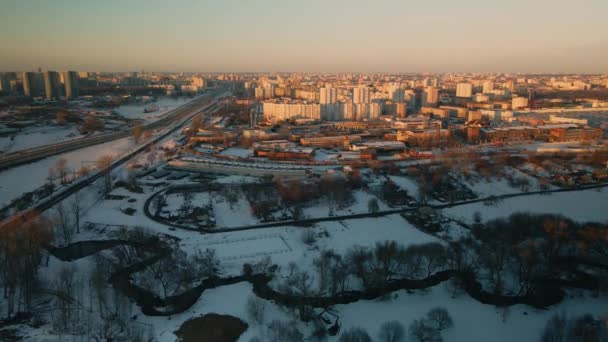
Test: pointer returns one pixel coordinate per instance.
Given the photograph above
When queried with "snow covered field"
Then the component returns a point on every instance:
(238, 152)
(246, 248)
(136, 110)
(15, 181)
(360, 206)
(582, 206)
(406, 183)
(38, 136)
(473, 321)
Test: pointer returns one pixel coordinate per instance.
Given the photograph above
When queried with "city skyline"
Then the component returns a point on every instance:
(313, 36)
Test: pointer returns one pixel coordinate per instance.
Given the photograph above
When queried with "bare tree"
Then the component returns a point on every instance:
(83, 171)
(208, 263)
(196, 124)
(64, 299)
(421, 331)
(62, 170)
(92, 123)
(373, 206)
(21, 249)
(255, 310)
(76, 209)
(62, 222)
(440, 318)
(284, 331)
(137, 132)
(355, 335)
(308, 237)
(103, 165)
(60, 117)
(98, 283)
(392, 331)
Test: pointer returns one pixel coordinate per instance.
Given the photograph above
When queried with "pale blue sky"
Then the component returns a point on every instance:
(306, 35)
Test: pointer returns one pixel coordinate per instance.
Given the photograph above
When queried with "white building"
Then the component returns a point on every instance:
(464, 90)
(479, 97)
(559, 119)
(430, 96)
(488, 87)
(519, 102)
(328, 95)
(361, 94)
(291, 109)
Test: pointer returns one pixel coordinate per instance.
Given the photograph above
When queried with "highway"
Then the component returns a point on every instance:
(16, 158)
(185, 115)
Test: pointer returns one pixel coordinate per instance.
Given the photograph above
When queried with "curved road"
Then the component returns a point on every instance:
(309, 221)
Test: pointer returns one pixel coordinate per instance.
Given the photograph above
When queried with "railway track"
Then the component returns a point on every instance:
(24, 156)
(83, 182)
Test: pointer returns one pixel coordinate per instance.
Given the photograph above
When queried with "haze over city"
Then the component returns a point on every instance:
(314, 36)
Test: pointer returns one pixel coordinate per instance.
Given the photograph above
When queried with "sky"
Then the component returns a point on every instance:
(569, 36)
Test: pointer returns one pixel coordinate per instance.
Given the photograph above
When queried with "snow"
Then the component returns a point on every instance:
(236, 179)
(28, 177)
(360, 206)
(237, 214)
(247, 248)
(473, 321)
(406, 184)
(38, 136)
(325, 155)
(368, 231)
(136, 110)
(496, 186)
(582, 206)
(228, 300)
(238, 152)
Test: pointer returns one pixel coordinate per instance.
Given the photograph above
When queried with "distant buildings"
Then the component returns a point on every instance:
(33, 84)
(519, 102)
(361, 94)
(559, 119)
(424, 137)
(464, 90)
(430, 96)
(510, 86)
(328, 95)
(264, 93)
(198, 82)
(488, 87)
(286, 109)
(70, 82)
(564, 134)
(52, 85)
(7, 80)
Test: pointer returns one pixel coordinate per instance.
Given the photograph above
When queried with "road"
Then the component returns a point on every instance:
(310, 221)
(185, 116)
(16, 158)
